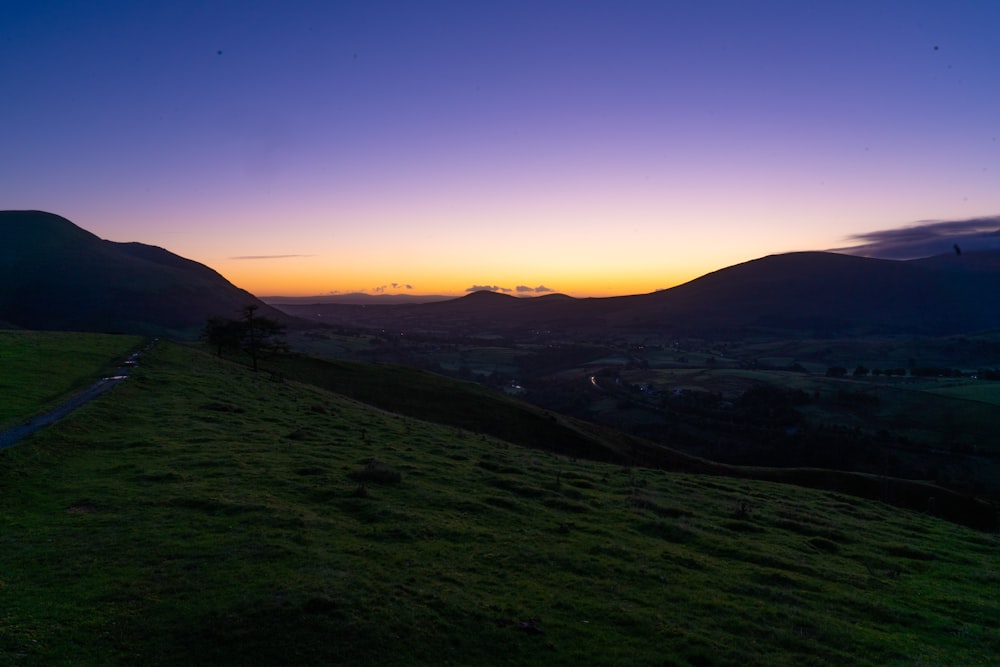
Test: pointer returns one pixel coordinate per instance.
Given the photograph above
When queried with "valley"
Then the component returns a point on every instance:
(902, 406)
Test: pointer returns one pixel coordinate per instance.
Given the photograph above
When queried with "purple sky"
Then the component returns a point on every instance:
(591, 148)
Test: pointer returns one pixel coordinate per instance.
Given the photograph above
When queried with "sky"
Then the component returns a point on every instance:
(593, 148)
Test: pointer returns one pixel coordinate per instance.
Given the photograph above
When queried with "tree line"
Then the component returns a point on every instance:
(916, 371)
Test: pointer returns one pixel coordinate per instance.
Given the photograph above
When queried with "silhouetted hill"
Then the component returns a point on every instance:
(985, 261)
(796, 294)
(57, 276)
(356, 298)
(365, 299)
(818, 293)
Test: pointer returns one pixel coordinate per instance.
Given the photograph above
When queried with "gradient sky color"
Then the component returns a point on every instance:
(590, 148)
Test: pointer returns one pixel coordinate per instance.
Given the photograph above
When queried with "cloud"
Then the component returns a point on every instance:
(521, 289)
(488, 288)
(927, 238)
(268, 256)
(382, 289)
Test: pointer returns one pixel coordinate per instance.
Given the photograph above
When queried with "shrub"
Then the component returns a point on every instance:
(378, 473)
(823, 544)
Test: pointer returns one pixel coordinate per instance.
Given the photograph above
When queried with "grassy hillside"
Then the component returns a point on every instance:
(37, 368)
(200, 515)
(458, 403)
(473, 407)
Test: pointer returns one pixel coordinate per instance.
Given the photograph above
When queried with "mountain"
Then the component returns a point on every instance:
(56, 276)
(356, 298)
(820, 293)
(794, 294)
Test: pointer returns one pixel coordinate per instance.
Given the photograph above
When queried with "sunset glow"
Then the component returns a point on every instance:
(592, 149)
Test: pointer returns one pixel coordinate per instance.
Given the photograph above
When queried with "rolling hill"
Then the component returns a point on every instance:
(794, 294)
(201, 514)
(57, 276)
(469, 406)
(821, 293)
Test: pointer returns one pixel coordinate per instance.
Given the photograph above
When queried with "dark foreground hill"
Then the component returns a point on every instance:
(202, 515)
(57, 276)
(791, 295)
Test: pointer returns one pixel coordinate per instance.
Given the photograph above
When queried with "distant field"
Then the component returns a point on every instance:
(36, 368)
(202, 515)
(960, 413)
(730, 382)
(967, 352)
(335, 346)
(970, 390)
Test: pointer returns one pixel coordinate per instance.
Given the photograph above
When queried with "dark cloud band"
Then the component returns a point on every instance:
(488, 288)
(927, 238)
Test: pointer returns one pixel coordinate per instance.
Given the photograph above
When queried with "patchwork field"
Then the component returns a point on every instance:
(201, 514)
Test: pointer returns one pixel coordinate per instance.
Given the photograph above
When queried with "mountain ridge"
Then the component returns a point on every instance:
(794, 294)
(58, 276)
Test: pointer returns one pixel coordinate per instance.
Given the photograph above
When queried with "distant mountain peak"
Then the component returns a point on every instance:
(801, 295)
(485, 294)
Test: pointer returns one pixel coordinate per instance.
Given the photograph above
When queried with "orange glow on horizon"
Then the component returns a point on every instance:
(276, 277)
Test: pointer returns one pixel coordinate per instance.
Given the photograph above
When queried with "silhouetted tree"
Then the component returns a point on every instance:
(261, 334)
(222, 333)
(253, 334)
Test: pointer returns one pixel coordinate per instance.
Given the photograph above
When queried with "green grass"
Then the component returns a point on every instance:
(198, 514)
(946, 413)
(470, 406)
(457, 403)
(984, 391)
(37, 368)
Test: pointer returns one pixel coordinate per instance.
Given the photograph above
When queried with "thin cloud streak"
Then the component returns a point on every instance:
(927, 238)
(269, 256)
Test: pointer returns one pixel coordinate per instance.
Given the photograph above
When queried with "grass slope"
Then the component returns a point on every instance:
(471, 406)
(458, 403)
(200, 515)
(38, 368)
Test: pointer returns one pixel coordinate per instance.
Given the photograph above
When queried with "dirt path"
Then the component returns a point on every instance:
(14, 434)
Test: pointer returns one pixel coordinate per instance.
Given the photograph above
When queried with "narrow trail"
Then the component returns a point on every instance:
(15, 434)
